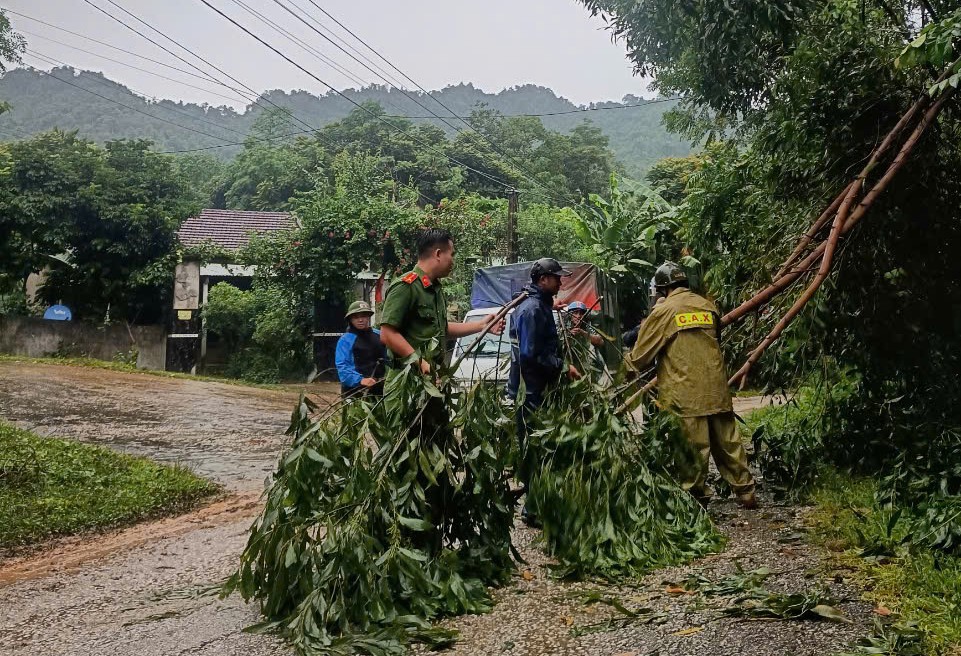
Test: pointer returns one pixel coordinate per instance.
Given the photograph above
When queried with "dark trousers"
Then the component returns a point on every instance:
(532, 401)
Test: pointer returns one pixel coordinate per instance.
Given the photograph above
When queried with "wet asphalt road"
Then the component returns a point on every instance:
(149, 596)
(149, 590)
(227, 433)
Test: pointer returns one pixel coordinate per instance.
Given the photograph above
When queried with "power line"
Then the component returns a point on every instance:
(322, 57)
(340, 93)
(254, 98)
(385, 75)
(246, 98)
(247, 139)
(133, 109)
(15, 132)
(113, 85)
(125, 51)
(525, 172)
(579, 110)
(136, 68)
(186, 61)
(404, 116)
(389, 79)
(303, 44)
(342, 49)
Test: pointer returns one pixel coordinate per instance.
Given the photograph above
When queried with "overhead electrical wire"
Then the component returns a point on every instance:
(250, 96)
(531, 176)
(367, 63)
(379, 117)
(117, 102)
(192, 53)
(123, 50)
(523, 171)
(15, 132)
(355, 58)
(579, 110)
(347, 44)
(113, 85)
(136, 68)
(303, 44)
(248, 139)
(324, 58)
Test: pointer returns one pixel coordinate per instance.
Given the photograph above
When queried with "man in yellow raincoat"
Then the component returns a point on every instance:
(682, 334)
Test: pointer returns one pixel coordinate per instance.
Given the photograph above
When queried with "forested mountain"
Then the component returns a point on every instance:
(40, 103)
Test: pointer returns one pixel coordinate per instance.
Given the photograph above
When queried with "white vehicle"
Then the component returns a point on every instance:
(495, 286)
(491, 359)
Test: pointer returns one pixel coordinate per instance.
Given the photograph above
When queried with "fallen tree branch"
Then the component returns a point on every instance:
(812, 232)
(843, 225)
(839, 221)
(490, 324)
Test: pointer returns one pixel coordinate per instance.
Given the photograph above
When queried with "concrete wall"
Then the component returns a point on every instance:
(37, 338)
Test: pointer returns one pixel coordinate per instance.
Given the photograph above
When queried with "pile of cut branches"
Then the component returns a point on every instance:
(381, 520)
(389, 515)
(601, 487)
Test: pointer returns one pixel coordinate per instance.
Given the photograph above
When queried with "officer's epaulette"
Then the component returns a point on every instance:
(413, 275)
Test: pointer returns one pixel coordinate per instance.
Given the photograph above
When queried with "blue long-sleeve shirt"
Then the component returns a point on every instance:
(538, 348)
(359, 355)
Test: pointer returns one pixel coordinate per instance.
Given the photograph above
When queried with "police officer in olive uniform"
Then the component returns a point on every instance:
(682, 333)
(413, 322)
(414, 316)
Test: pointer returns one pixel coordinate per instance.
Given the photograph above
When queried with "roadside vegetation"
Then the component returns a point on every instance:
(907, 565)
(51, 487)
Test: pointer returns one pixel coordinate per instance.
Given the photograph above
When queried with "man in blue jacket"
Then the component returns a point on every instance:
(533, 328)
(360, 357)
(539, 359)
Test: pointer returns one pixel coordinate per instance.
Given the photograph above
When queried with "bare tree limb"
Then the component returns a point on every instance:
(843, 224)
(808, 294)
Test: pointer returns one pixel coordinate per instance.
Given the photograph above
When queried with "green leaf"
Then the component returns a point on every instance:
(830, 613)
(415, 524)
(291, 556)
(413, 555)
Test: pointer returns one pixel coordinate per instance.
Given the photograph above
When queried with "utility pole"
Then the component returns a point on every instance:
(511, 226)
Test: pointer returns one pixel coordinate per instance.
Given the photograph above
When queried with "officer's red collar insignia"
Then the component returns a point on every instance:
(426, 281)
(410, 277)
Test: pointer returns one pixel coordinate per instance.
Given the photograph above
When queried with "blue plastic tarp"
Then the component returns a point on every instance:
(496, 286)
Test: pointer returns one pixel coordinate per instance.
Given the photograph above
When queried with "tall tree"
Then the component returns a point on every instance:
(804, 91)
(121, 243)
(12, 46)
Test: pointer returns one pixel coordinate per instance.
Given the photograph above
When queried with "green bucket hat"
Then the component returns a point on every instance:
(358, 307)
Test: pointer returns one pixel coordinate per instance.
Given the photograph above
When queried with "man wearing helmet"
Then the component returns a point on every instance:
(360, 357)
(682, 334)
(580, 323)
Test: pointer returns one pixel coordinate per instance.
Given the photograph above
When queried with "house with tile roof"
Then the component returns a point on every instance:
(226, 231)
(231, 229)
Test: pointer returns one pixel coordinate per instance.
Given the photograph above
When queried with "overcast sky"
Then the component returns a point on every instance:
(493, 44)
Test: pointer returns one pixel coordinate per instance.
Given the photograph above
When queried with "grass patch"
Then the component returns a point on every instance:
(918, 585)
(51, 487)
(130, 368)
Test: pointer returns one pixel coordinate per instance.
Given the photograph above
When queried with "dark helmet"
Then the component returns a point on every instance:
(668, 275)
(545, 266)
